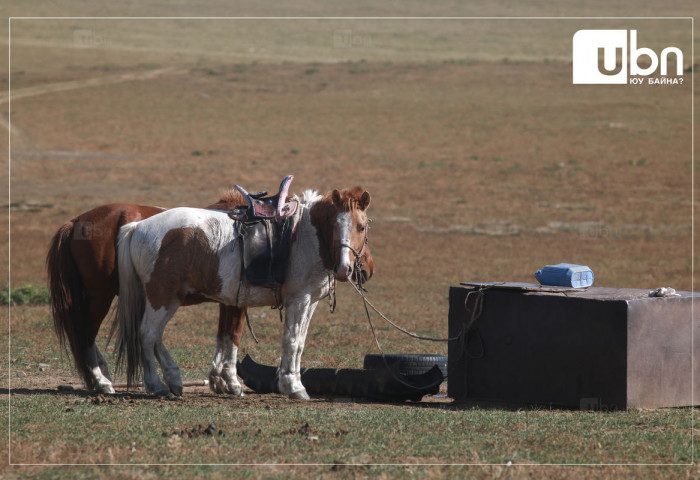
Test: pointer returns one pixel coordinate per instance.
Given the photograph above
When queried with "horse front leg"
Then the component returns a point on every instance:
(296, 324)
(223, 377)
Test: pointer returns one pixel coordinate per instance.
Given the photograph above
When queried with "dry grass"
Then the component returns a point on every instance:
(480, 169)
(562, 172)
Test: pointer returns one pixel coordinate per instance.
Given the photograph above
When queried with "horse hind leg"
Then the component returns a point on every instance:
(99, 370)
(223, 377)
(104, 368)
(99, 307)
(171, 372)
(151, 331)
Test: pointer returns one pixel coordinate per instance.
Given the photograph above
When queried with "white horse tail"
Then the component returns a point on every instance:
(130, 307)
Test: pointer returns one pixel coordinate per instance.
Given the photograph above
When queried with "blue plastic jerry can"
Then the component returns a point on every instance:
(565, 275)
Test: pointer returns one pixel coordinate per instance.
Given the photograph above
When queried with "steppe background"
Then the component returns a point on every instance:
(483, 160)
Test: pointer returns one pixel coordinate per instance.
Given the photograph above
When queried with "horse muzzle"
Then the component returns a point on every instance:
(343, 272)
(358, 276)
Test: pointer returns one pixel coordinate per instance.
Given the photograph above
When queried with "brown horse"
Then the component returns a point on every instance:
(83, 280)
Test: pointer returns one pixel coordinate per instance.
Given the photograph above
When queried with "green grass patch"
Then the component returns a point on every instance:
(137, 429)
(26, 295)
(436, 164)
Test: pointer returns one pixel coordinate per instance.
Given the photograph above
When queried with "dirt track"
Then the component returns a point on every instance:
(84, 83)
(22, 139)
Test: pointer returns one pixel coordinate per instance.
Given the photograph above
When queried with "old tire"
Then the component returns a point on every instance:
(409, 363)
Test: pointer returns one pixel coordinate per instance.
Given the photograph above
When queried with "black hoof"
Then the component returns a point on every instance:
(176, 390)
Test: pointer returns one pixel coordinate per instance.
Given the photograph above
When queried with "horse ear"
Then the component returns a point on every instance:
(336, 198)
(364, 201)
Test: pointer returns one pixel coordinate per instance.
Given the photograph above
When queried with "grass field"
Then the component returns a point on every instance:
(484, 163)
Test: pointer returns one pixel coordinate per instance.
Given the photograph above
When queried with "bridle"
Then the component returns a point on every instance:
(357, 266)
(358, 255)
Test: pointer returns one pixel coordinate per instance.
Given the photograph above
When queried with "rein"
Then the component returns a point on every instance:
(358, 266)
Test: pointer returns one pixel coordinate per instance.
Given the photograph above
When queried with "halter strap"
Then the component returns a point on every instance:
(362, 249)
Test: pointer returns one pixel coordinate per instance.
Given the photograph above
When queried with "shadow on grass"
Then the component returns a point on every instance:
(78, 393)
(453, 405)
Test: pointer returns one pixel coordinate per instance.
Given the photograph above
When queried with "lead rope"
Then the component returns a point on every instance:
(250, 327)
(366, 302)
(475, 313)
(331, 292)
(361, 290)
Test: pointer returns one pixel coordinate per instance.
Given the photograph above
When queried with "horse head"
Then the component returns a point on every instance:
(341, 223)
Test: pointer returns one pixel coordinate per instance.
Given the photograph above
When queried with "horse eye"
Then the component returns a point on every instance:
(360, 228)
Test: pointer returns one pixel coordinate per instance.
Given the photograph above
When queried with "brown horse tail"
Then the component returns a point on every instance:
(70, 307)
(130, 307)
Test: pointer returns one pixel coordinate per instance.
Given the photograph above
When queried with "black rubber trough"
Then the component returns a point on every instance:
(381, 384)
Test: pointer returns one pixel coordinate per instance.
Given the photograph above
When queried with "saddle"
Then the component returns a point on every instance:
(266, 228)
(260, 207)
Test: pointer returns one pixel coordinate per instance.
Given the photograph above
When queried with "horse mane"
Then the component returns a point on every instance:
(309, 197)
(349, 198)
(229, 199)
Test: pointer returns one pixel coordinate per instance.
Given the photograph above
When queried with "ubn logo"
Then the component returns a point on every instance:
(613, 43)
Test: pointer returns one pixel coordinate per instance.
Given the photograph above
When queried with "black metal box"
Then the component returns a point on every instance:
(598, 348)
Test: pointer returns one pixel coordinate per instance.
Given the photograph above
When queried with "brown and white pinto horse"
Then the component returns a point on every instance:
(188, 251)
(83, 280)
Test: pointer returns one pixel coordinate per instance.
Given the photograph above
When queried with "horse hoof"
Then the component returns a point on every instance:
(105, 388)
(217, 385)
(300, 395)
(161, 393)
(235, 390)
(176, 390)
